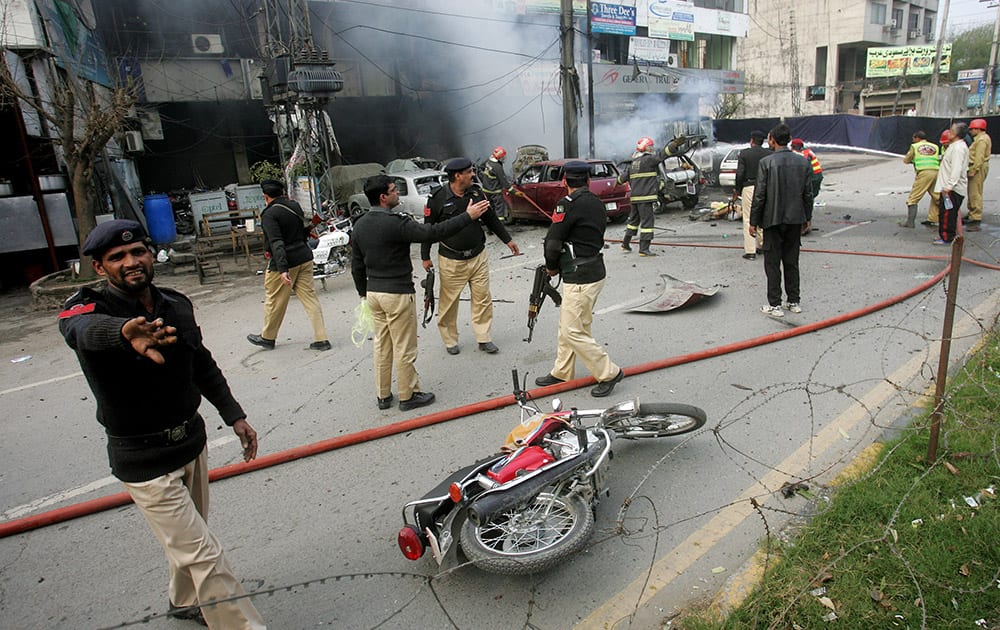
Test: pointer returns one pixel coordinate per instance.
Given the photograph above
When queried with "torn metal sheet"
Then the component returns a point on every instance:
(676, 294)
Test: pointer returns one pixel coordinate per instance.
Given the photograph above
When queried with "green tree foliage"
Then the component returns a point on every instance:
(972, 48)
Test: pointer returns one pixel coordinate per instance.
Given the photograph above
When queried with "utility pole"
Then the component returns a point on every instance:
(570, 81)
(991, 90)
(592, 152)
(937, 60)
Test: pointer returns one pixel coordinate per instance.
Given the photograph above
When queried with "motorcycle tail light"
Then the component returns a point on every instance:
(410, 543)
(455, 492)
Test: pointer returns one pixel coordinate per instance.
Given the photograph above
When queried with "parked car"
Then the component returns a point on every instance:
(541, 183)
(680, 180)
(727, 169)
(414, 188)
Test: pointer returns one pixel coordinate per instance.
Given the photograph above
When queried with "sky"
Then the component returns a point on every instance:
(966, 14)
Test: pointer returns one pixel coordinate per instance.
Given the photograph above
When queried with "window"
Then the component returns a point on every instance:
(914, 21)
(897, 18)
(531, 176)
(878, 13)
(929, 27)
(821, 55)
(602, 170)
(401, 186)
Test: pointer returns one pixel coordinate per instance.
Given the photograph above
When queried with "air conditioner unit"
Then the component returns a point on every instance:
(672, 61)
(893, 24)
(133, 142)
(206, 44)
(914, 34)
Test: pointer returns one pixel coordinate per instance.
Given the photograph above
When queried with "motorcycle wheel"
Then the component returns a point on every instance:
(659, 420)
(689, 202)
(532, 539)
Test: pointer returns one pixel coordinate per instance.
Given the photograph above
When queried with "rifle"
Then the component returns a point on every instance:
(428, 286)
(539, 289)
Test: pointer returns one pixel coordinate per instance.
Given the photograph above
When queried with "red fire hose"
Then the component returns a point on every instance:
(92, 506)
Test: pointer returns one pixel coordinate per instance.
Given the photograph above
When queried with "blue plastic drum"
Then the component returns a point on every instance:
(160, 219)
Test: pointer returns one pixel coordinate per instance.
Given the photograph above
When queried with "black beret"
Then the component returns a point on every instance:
(112, 234)
(457, 165)
(577, 168)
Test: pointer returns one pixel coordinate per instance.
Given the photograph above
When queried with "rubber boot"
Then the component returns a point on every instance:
(911, 217)
(644, 244)
(627, 239)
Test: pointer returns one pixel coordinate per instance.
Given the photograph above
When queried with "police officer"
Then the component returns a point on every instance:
(926, 159)
(495, 182)
(141, 350)
(642, 174)
(573, 248)
(462, 258)
(383, 276)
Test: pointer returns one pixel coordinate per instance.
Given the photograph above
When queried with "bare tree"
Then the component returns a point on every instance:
(82, 117)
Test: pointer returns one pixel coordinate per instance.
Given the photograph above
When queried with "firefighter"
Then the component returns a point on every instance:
(799, 147)
(643, 178)
(926, 158)
(979, 168)
(495, 182)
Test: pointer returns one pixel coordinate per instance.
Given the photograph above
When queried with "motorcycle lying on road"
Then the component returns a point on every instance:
(528, 508)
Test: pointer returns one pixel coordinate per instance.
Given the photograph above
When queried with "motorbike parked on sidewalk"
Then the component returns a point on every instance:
(330, 241)
(528, 508)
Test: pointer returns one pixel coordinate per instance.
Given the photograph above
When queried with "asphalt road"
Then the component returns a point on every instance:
(777, 412)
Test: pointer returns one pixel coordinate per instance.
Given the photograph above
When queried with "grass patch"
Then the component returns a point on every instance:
(900, 547)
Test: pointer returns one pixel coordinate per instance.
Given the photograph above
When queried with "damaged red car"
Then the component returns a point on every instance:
(541, 184)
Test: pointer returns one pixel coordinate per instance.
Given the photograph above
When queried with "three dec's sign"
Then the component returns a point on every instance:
(614, 18)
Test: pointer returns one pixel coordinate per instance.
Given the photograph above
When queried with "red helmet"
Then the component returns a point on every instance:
(978, 123)
(499, 153)
(797, 143)
(945, 137)
(644, 144)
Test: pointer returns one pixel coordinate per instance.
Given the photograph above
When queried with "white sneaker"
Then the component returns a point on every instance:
(772, 311)
(793, 307)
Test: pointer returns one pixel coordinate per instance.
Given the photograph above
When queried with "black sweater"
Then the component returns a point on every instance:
(380, 248)
(284, 230)
(137, 397)
(467, 243)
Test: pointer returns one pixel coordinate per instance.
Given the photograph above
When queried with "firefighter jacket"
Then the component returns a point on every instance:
(494, 177)
(643, 177)
(813, 160)
(924, 156)
(979, 153)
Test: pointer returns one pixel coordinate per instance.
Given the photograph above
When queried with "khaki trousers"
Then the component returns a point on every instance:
(750, 243)
(975, 202)
(575, 339)
(395, 316)
(454, 275)
(276, 296)
(924, 184)
(176, 507)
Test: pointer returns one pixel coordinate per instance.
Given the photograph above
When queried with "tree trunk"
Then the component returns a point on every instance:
(83, 206)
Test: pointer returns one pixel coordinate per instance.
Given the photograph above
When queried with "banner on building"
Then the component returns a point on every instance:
(649, 49)
(549, 6)
(630, 79)
(897, 61)
(613, 18)
(671, 19)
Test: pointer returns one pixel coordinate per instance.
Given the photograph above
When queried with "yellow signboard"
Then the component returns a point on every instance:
(897, 61)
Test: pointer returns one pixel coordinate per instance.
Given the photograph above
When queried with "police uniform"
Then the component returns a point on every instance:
(926, 159)
(462, 260)
(383, 276)
(574, 245)
(495, 182)
(156, 437)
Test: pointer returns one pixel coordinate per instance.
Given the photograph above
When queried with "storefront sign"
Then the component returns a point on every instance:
(671, 19)
(608, 17)
(615, 79)
(897, 61)
(649, 49)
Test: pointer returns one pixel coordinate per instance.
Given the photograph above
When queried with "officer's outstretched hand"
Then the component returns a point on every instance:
(248, 438)
(145, 337)
(514, 249)
(476, 210)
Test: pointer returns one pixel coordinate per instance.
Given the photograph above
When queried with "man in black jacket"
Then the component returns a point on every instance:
(782, 208)
(746, 179)
(462, 258)
(290, 267)
(141, 351)
(383, 276)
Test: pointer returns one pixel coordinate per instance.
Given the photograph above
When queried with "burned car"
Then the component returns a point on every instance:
(542, 186)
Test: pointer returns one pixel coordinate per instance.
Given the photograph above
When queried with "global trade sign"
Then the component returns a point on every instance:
(897, 61)
(616, 19)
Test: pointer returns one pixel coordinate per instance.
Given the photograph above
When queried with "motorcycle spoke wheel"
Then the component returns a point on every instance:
(659, 420)
(532, 539)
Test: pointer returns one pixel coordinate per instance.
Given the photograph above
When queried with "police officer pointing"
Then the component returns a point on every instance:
(573, 248)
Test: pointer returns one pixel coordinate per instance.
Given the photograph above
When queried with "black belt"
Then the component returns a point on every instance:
(461, 254)
(166, 437)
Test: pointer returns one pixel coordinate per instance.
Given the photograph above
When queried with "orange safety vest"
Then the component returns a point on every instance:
(813, 160)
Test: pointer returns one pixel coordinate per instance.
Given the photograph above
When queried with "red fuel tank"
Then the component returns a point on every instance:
(526, 460)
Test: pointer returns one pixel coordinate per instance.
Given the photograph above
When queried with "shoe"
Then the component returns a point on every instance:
(626, 247)
(548, 379)
(186, 614)
(385, 403)
(929, 223)
(605, 388)
(793, 307)
(489, 347)
(453, 349)
(418, 399)
(772, 311)
(646, 254)
(749, 256)
(320, 345)
(939, 241)
(257, 340)
(973, 226)
(966, 220)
